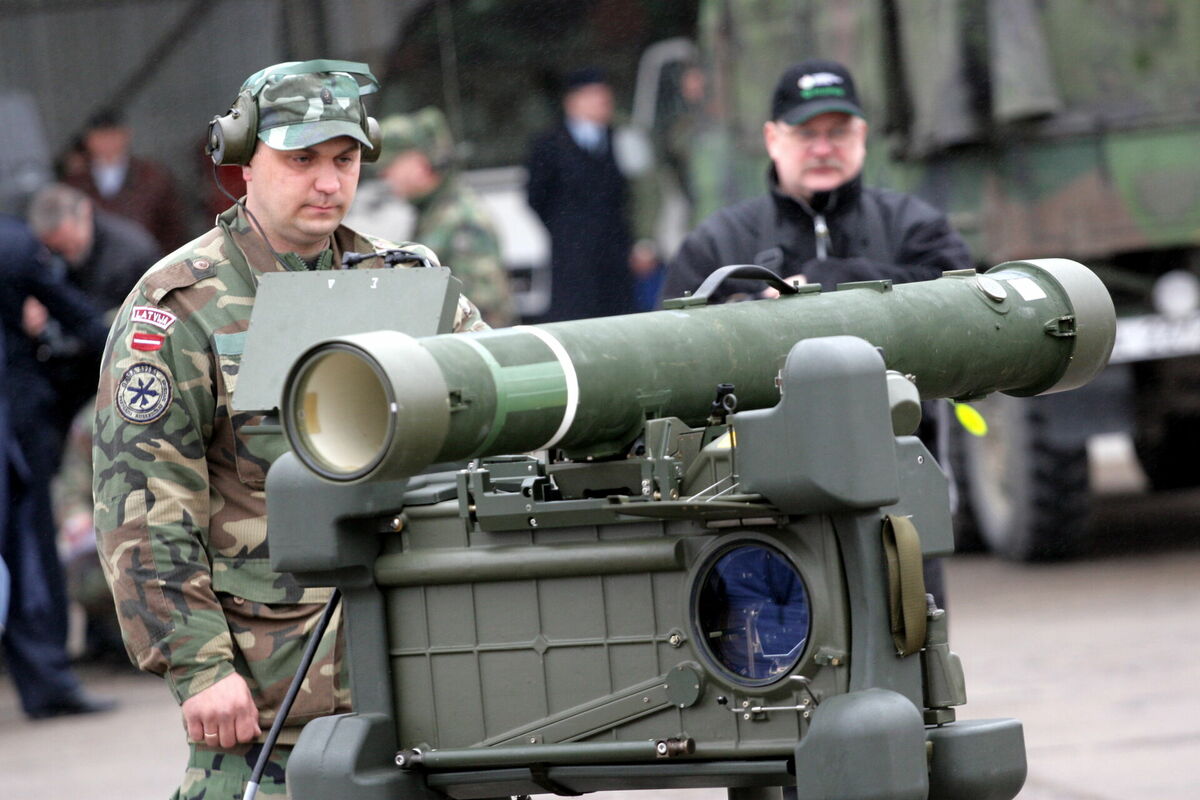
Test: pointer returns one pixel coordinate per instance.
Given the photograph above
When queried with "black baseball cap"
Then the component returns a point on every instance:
(813, 87)
(584, 76)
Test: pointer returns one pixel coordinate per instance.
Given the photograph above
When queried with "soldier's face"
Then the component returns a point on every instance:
(818, 155)
(410, 175)
(300, 196)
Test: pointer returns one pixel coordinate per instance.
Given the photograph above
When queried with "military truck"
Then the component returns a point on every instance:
(1038, 134)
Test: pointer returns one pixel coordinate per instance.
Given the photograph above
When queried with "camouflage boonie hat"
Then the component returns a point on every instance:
(300, 110)
(425, 130)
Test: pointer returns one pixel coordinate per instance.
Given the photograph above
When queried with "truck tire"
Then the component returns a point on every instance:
(1029, 493)
(1169, 458)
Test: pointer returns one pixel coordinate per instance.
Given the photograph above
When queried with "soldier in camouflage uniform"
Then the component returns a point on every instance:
(179, 485)
(419, 166)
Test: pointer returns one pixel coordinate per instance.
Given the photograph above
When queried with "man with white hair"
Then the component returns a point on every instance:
(818, 222)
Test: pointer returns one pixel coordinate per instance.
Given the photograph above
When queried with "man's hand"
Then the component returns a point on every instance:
(226, 709)
(33, 318)
(643, 259)
(771, 291)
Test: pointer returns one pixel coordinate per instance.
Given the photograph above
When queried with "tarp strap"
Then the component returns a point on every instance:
(906, 583)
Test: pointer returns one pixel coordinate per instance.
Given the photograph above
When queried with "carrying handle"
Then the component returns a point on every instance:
(703, 294)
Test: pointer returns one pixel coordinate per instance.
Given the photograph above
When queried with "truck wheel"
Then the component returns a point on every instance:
(1169, 459)
(1029, 494)
(967, 538)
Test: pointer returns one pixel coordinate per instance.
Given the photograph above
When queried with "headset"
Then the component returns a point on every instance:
(233, 136)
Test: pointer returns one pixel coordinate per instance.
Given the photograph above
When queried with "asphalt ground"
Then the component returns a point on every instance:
(1098, 657)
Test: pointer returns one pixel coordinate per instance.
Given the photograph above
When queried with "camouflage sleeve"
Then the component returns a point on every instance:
(466, 316)
(71, 489)
(474, 258)
(154, 412)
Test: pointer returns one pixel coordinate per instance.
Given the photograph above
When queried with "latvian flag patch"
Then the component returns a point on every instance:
(147, 341)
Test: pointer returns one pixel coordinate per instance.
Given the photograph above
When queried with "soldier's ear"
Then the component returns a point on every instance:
(248, 167)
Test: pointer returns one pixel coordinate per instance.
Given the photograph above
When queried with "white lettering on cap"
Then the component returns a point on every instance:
(814, 79)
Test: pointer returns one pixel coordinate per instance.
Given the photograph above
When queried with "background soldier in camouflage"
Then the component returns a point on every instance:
(180, 507)
(419, 166)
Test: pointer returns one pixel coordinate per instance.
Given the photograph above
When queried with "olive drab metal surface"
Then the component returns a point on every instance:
(587, 386)
(708, 578)
(306, 307)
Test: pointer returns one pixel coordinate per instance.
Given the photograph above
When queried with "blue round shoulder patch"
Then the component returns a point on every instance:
(143, 393)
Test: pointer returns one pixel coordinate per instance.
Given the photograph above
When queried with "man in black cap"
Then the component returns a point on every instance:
(818, 223)
(580, 194)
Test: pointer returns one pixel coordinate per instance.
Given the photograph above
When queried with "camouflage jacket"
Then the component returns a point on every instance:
(452, 222)
(179, 488)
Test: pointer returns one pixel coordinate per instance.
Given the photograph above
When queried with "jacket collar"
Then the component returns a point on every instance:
(249, 247)
(831, 203)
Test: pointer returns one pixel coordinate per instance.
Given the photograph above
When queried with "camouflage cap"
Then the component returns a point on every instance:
(425, 130)
(298, 109)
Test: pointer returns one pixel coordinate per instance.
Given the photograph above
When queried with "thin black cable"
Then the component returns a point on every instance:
(310, 650)
(237, 202)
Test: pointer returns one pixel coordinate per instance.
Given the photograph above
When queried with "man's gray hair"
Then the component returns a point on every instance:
(52, 205)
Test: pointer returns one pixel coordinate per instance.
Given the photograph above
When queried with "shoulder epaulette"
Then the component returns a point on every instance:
(161, 282)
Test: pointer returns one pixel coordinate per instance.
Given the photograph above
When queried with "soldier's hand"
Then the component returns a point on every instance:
(225, 709)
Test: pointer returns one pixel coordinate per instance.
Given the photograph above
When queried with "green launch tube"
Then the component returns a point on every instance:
(385, 405)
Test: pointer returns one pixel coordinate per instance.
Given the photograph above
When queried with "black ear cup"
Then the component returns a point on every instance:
(375, 135)
(232, 137)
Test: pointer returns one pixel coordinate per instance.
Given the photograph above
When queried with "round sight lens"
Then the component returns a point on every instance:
(341, 409)
(753, 613)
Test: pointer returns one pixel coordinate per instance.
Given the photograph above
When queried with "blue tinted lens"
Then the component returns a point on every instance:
(753, 612)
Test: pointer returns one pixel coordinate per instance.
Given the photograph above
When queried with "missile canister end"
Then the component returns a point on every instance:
(371, 406)
(1095, 317)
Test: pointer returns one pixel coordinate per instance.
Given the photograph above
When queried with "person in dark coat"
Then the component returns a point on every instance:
(818, 223)
(103, 255)
(34, 641)
(106, 254)
(580, 194)
(124, 184)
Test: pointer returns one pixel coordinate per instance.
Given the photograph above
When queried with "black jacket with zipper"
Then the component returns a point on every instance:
(852, 233)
